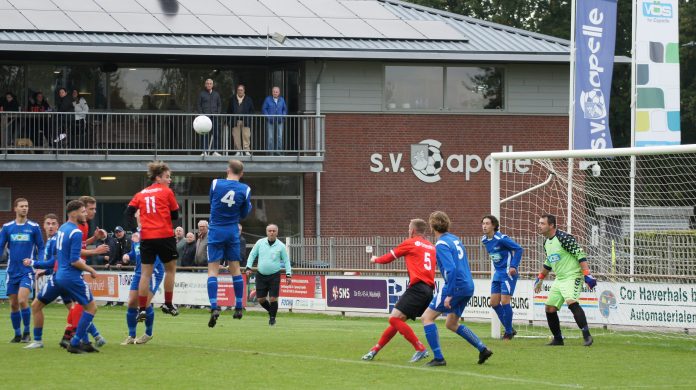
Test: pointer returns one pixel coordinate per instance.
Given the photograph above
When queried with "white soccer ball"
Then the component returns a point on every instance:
(202, 124)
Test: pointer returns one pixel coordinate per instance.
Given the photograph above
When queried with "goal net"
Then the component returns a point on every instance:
(639, 234)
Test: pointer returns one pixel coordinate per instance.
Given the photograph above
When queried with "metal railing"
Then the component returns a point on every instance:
(160, 133)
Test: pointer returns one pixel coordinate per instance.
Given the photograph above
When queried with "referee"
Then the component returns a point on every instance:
(272, 257)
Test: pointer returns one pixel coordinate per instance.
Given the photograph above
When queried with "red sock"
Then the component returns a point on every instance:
(142, 301)
(386, 337)
(407, 332)
(168, 295)
(75, 315)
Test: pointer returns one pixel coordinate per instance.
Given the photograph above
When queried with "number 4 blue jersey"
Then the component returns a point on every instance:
(230, 202)
(454, 266)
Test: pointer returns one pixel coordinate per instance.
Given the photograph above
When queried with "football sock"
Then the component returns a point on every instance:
(274, 308)
(168, 296)
(38, 334)
(142, 302)
(16, 318)
(26, 318)
(507, 309)
(82, 328)
(91, 329)
(387, 335)
(132, 320)
(554, 325)
(580, 319)
(238, 283)
(469, 336)
(149, 320)
(501, 315)
(434, 340)
(266, 305)
(212, 291)
(407, 332)
(76, 315)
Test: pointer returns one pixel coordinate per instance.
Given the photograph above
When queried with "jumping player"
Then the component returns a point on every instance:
(419, 254)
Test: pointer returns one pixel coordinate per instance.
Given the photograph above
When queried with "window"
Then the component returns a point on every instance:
(88, 80)
(12, 80)
(474, 88)
(5, 199)
(413, 88)
(148, 89)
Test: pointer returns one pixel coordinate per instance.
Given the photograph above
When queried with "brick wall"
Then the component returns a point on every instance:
(43, 191)
(358, 202)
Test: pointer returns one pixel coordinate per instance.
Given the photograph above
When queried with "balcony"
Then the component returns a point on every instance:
(58, 142)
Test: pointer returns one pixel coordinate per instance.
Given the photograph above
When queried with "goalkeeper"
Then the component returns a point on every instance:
(568, 261)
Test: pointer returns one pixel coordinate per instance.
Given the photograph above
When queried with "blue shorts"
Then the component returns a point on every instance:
(226, 250)
(457, 304)
(504, 287)
(155, 282)
(14, 283)
(50, 292)
(74, 289)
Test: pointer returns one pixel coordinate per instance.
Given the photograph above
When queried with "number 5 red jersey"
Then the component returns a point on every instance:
(156, 204)
(419, 254)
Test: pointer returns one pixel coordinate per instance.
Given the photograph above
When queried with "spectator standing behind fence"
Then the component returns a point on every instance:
(209, 102)
(39, 123)
(120, 245)
(202, 244)
(274, 108)
(188, 254)
(9, 103)
(272, 257)
(180, 238)
(240, 103)
(80, 129)
(63, 121)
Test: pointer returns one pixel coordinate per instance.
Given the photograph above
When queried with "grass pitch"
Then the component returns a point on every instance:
(318, 351)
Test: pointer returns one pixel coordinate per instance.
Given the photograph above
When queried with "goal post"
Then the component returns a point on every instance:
(633, 212)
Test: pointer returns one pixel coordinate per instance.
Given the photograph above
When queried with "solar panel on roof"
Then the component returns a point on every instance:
(208, 7)
(95, 21)
(368, 9)
(140, 23)
(184, 24)
(328, 8)
(312, 27)
(435, 29)
(395, 29)
(4, 4)
(81, 5)
(263, 25)
(51, 20)
(246, 7)
(163, 7)
(354, 28)
(285, 8)
(42, 5)
(13, 20)
(228, 25)
(120, 6)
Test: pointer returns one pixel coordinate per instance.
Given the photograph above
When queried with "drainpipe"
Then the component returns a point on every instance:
(318, 143)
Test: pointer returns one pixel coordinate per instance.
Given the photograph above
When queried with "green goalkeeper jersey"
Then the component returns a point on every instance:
(563, 256)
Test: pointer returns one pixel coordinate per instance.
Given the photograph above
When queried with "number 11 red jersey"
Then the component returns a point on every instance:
(155, 203)
(420, 258)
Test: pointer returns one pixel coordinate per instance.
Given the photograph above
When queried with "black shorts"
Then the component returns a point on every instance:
(267, 285)
(415, 300)
(165, 248)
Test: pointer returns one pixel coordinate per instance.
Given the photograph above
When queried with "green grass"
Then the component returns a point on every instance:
(318, 351)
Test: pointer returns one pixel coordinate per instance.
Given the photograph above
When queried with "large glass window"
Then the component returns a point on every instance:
(106, 185)
(89, 81)
(5, 199)
(148, 89)
(222, 79)
(474, 88)
(413, 87)
(12, 80)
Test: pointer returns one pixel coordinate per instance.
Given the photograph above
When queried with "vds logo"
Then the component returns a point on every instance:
(553, 258)
(657, 9)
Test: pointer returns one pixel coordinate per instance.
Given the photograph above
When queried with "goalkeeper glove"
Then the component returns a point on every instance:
(589, 279)
(538, 282)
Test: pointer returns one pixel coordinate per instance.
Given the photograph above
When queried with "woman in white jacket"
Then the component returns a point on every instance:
(78, 140)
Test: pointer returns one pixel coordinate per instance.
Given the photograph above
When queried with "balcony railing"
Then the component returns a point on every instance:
(160, 133)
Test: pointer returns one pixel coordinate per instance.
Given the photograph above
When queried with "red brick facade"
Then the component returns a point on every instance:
(358, 202)
(43, 191)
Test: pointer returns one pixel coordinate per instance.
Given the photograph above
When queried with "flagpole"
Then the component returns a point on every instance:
(571, 115)
(632, 201)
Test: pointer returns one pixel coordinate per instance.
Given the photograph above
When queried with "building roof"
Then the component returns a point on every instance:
(367, 29)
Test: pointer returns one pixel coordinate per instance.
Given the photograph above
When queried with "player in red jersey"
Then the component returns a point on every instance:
(76, 310)
(420, 257)
(158, 208)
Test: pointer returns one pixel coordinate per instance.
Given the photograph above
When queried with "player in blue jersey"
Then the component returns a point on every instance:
(229, 203)
(132, 313)
(505, 256)
(24, 241)
(454, 295)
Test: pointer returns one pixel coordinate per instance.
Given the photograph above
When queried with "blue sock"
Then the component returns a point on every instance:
(26, 318)
(82, 326)
(16, 318)
(38, 334)
(212, 291)
(508, 318)
(91, 329)
(238, 283)
(471, 337)
(500, 311)
(434, 340)
(132, 320)
(149, 320)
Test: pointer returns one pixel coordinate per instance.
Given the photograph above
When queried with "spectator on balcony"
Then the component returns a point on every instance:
(79, 138)
(188, 255)
(209, 102)
(63, 121)
(39, 126)
(9, 103)
(202, 244)
(274, 108)
(241, 104)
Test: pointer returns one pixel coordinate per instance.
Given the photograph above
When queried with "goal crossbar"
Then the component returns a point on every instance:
(585, 153)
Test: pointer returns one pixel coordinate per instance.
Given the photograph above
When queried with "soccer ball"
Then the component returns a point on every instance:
(435, 162)
(202, 124)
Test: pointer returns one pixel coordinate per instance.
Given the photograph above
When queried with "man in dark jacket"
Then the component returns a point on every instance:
(64, 103)
(209, 102)
(188, 255)
(119, 245)
(240, 103)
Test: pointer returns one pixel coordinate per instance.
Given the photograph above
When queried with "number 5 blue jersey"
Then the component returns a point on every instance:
(230, 202)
